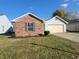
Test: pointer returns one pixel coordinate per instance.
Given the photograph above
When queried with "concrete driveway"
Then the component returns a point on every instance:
(70, 36)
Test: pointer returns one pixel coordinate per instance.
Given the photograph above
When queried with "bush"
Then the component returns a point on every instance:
(13, 34)
(41, 34)
(46, 33)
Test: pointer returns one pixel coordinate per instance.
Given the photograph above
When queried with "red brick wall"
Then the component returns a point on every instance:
(19, 26)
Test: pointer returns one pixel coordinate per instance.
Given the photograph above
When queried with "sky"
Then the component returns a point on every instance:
(41, 8)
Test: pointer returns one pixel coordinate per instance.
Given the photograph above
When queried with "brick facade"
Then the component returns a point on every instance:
(19, 26)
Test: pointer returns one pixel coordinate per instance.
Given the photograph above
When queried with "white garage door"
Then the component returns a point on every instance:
(56, 28)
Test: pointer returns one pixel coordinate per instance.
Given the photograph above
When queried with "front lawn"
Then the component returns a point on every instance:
(2, 37)
(49, 47)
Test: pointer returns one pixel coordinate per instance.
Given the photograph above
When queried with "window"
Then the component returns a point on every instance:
(29, 26)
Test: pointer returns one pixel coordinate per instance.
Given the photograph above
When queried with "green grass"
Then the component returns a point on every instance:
(2, 37)
(49, 47)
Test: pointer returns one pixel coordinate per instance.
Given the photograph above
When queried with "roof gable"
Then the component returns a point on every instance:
(16, 19)
(59, 18)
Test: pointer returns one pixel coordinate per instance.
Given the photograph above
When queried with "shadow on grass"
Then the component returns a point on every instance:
(21, 37)
(76, 54)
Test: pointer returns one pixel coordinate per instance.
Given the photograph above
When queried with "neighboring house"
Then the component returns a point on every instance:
(28, 25)
(55, 25)
(5, 24)
(73, 25)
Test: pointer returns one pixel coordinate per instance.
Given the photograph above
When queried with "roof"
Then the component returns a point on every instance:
(14, 20)
(61, 19)
(73, 21)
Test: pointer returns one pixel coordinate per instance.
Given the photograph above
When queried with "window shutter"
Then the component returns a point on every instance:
(26, 26)
(33, 26)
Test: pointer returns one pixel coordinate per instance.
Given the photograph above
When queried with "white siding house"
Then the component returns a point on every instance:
(73, 25)
(55, 25)
(5, 24)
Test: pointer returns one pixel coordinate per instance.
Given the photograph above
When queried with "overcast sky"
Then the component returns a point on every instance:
(41, 8)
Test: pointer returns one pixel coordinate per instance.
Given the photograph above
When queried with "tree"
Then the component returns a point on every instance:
(61, 13)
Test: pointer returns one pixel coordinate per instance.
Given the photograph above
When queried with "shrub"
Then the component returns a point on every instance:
(46, 33)
(41, 34)
(13, 34)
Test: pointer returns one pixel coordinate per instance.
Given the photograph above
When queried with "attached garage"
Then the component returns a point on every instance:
(56, 28)
(55, 25)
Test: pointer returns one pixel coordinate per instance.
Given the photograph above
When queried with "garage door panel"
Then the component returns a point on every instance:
(56, 28)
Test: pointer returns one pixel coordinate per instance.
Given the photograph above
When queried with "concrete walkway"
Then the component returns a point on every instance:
(70, 36)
